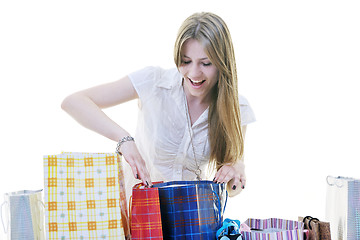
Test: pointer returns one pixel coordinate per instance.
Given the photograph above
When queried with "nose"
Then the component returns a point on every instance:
(195, 72)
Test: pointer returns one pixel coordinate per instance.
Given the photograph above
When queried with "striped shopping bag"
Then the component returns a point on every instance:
(191, 209)
(25, 211)
(343, 207)
(85, 196)
(273, 229)
(145, 213)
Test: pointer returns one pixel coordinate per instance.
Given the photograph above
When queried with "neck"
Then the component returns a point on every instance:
(197, 100)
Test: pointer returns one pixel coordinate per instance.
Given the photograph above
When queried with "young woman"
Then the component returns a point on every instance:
(191, 118)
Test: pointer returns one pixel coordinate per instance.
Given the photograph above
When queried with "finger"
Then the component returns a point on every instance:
(134, 170)
(217, 175)
(243, 181)
(139, 170)
(236, 183)
(227, 177)
(144, 175)
(224, 175)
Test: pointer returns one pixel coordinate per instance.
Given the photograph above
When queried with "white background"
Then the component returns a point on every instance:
(298, 64)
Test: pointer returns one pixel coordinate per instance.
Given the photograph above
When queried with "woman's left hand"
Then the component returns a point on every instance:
(234, 175)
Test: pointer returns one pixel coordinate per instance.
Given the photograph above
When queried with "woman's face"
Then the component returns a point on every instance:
(200, 75)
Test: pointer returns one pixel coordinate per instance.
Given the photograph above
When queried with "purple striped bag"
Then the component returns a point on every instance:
(273, 229)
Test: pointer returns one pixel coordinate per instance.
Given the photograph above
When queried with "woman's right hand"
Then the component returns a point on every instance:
(131, 154)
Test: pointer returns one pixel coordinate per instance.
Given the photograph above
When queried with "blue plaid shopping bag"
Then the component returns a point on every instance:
(191, 209)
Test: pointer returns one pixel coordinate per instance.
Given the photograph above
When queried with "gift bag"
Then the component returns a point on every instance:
(85, 196)
(25, 215)
(191, 209)
(343, 207)
(230, 230)
(317, 230)
(145, 213)
(274, 229)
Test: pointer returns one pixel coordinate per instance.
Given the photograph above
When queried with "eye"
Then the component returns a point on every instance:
(186, 62)
(207, 64)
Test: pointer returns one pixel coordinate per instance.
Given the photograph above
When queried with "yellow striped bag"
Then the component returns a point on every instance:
(85, 196)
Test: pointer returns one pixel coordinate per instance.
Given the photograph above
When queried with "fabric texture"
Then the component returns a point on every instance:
(84, 196)
(145, 213)
(162, 133)
(273, 229)
(191, 209)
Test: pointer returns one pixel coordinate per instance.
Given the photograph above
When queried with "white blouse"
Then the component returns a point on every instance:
(162, 134)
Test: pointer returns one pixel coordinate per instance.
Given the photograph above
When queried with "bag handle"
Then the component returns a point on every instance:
(1, 215)
(337, 181)
(311, 219)
(41, 205)
(219, 205)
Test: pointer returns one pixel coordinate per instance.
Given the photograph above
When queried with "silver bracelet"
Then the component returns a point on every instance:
(121, 141)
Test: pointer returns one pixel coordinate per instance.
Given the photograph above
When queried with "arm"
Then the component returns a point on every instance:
(233, 175)
(85, 107)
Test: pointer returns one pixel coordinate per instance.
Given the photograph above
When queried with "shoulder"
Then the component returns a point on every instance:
(243, 101)
(158, 76)
(152, 81)
(246, 111)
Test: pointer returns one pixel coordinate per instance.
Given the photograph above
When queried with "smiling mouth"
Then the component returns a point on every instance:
(197, 83)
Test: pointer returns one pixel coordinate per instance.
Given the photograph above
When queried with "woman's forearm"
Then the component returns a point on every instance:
(89, 115)
(86, 106)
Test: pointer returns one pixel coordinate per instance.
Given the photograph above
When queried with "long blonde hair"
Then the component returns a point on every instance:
(226, 140)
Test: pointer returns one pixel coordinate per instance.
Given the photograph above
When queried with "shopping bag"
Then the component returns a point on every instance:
(145, 213)
(274, 229)
(24, 211)
(343, 207)
(317, 230)
(191, 209)
(85, 196)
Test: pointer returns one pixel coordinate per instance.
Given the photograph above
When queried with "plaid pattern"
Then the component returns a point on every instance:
(274, 229)
(191, 209)
(145, 213)
(85, 196)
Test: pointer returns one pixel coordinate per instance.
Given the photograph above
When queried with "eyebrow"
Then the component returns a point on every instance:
(204, 58)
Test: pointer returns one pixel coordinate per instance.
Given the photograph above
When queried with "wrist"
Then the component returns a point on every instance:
(122, 141)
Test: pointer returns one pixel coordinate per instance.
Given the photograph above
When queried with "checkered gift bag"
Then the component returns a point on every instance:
(85, 196)
(191, 209)
(145, 213)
